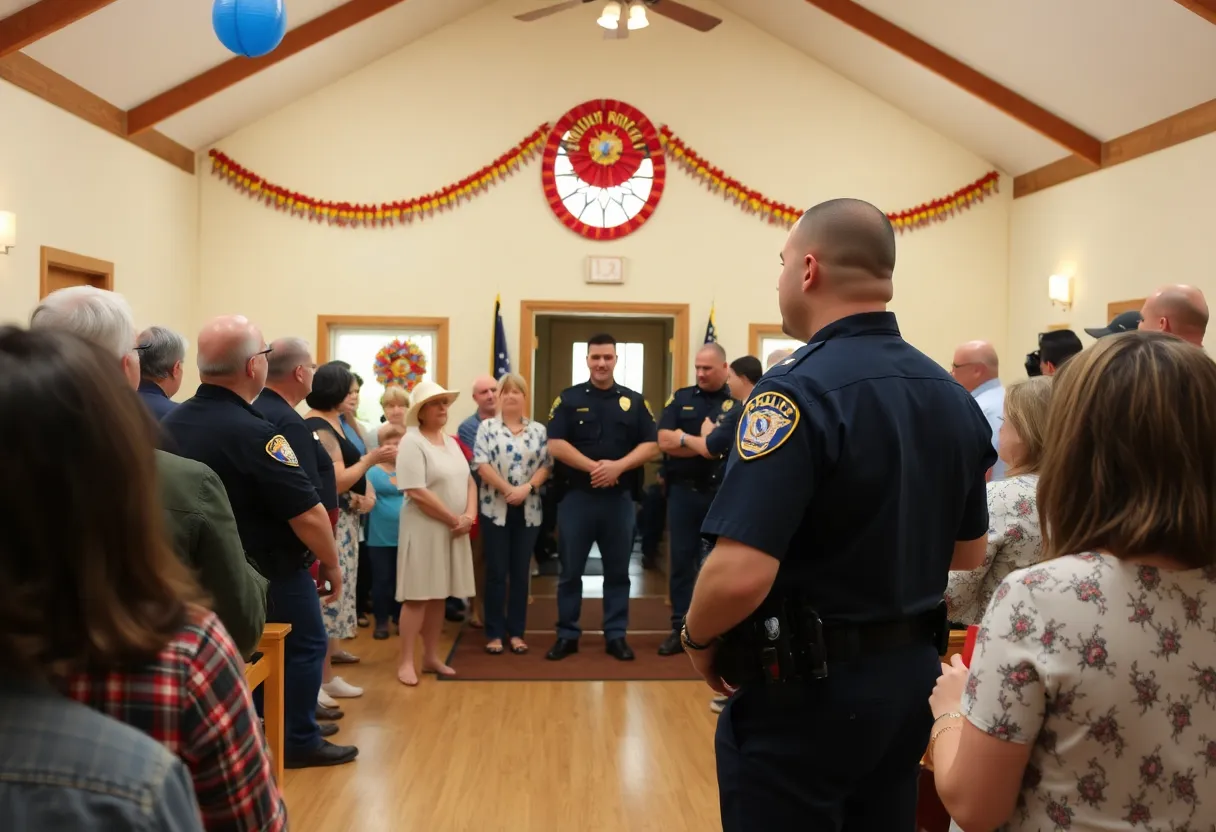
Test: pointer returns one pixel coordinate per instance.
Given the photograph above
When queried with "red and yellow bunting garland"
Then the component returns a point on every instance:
(779, 213)
(347, 214)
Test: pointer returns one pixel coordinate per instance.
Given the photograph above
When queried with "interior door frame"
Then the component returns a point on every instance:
(49, 257)
(678, 312)
(326, 324)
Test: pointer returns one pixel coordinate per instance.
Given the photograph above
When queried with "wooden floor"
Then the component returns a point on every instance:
(513, 756)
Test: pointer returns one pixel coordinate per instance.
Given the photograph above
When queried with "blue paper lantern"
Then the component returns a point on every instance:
(251, 28)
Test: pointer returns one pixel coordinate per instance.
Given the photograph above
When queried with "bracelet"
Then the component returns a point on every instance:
(952, 715)
(933, 739)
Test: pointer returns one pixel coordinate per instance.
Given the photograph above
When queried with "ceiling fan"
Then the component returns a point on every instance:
(621, 16)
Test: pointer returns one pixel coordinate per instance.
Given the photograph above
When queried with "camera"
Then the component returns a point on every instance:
(1034, 364)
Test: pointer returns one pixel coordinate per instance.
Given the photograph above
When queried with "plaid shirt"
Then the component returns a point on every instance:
(194, 700)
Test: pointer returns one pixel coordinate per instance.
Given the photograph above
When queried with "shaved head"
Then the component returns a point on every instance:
(714, 349)
(975, 363)
(226, 346)
(710, 366)
(485, 395)
(1178, 309)
(838, 260)
(775, 356)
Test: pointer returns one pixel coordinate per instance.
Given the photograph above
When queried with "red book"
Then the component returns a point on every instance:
(969, 644)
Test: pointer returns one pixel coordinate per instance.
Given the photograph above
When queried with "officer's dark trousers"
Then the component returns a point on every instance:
(293, 600)
(607, 519)
(686, 510)
(840, 754)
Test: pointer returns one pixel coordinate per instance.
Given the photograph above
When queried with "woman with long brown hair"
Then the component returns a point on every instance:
(101, 608)
(1090, 702)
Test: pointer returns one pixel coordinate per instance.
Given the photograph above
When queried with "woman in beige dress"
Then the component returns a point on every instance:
(434, 556)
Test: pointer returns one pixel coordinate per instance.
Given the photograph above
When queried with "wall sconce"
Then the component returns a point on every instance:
(8, 231)
(1059, 289)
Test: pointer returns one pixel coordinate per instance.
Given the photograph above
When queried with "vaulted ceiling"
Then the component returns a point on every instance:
(1045, 90)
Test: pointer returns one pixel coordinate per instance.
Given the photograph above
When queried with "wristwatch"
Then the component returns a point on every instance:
(682, 436)
(531, 488)
(689, 643)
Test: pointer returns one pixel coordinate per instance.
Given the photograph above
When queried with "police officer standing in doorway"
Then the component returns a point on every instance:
(856, 484)
(690, 476)
(600, 434)
(279, 515)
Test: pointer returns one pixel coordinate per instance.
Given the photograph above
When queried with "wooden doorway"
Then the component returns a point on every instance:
(61, 269)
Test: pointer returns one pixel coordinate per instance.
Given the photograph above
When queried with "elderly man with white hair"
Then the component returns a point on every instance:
(160, 368)
(199, 517)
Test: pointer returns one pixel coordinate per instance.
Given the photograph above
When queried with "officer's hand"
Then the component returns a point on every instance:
(707, 427)
(606, 473)
(332, 576)
(703, 661)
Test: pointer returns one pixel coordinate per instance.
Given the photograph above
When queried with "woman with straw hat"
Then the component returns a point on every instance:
(434, 556)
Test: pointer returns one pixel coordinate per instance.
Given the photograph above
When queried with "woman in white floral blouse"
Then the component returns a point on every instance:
(511, 455)
(1014, 539)
(1091, 698)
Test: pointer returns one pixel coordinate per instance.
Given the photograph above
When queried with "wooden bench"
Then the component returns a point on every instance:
(268, 672)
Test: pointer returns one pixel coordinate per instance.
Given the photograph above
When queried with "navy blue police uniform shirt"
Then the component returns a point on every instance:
(687, 410)
(858, 463)
(258, 466)
(601, 424)
(313, 458)
(722, 438)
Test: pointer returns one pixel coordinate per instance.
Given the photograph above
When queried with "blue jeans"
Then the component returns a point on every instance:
(686, 510)
(507, 551)
(384, 584)
(293, 600)
(841, 753)
(607, 519)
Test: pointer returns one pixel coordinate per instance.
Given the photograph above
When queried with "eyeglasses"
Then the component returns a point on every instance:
(266, 351)
(139, 348)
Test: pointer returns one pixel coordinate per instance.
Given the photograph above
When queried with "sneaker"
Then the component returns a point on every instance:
(718, 703)
(339, 688)
(325, 700)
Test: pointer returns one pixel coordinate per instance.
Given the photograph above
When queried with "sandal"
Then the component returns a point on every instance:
(518, 646)
(494, 649)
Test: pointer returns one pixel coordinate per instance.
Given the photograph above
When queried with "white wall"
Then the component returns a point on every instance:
(75, 187)
(1125, 231)
(441, 107)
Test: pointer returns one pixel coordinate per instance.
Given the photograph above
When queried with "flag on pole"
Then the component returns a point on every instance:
(711, 331)
(500, 360)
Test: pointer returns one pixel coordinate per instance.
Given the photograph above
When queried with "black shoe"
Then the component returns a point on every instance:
(362, 620)
(329, 713)
(380, 633)
(671, 645)
(328, 729)
(325, 754)
(561, 648)
(618, 649)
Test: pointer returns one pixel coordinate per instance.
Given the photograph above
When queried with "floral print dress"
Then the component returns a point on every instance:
(1015, 541)
(1109, 669)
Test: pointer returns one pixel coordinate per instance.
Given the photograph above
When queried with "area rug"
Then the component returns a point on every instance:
(591, 664)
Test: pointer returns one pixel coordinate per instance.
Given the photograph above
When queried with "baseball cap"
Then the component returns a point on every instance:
(1123, 322)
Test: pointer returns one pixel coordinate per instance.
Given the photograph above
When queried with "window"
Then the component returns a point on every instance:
(629, 364)
(358, 347)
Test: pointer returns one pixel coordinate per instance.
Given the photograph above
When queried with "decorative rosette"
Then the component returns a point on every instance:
(400, 362)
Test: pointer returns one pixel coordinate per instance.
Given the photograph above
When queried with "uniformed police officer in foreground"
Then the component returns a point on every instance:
(855, 485)
(279, 515)
(600, 434)
(690, 475)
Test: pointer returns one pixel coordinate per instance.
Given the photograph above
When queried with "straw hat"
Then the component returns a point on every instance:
(426, 391)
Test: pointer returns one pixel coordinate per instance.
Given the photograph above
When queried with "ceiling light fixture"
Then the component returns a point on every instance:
(637, 15)
(610, 18)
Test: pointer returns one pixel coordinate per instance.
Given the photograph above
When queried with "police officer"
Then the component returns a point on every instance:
(279, 515)
(855, 484)
(720, 433)
(690, 475)
(600, 434)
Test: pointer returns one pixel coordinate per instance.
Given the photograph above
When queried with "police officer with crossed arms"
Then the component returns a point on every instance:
(855, 485)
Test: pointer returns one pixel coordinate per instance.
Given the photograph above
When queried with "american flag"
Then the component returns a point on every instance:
(711, 331)
(500, 360)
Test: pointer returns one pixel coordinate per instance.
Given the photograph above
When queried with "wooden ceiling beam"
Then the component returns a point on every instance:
(1173, 130)
(1204, 8)
(35, 22)
(933, 59)
(171, 102)
(23, 71)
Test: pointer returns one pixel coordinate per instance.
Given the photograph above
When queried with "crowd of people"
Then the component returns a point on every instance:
(1071, 515)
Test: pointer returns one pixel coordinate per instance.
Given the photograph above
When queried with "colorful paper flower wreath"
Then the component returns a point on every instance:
(400, 362)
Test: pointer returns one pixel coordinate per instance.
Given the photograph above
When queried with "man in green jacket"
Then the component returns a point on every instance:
(199, 517)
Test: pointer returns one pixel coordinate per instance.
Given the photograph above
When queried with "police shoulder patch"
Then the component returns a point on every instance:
(670, 399)
(280, 450)
(727, 405)
(768, 420)
(553, 407)
(646, 405)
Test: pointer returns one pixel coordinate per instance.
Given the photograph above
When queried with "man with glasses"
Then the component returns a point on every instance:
(975, 366)
(279, 515)
(198, 517)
